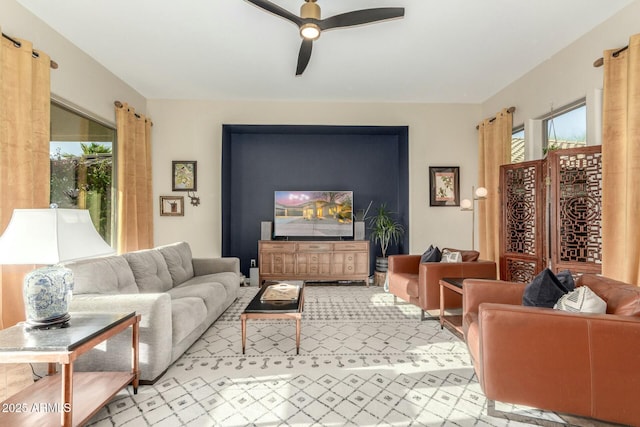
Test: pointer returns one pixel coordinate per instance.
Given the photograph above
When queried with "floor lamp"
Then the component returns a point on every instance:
(479, 193)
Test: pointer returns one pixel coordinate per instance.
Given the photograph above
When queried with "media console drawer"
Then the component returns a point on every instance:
(314, 247)
(313, 260)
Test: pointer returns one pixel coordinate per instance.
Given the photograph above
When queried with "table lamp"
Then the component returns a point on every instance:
(49, 236)
(479, 193)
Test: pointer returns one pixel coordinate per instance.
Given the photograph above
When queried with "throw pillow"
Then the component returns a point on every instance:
(582, 300)
(544, 290)
(451, 256)
(467, 255)
(566, 279)
(431, 255)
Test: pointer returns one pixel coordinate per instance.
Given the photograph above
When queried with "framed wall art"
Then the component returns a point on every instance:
(171, 205)
(184, 174)
(444, 186)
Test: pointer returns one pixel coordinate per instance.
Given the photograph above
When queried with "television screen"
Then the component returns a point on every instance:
(313, 213)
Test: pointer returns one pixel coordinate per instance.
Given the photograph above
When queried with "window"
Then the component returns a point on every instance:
(565, 128)
(517, 145)
(82, 173)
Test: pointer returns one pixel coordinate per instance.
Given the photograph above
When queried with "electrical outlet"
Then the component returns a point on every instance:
(253, 263)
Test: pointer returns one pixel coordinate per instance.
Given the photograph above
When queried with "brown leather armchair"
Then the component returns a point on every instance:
(419, 283)
(571, 363)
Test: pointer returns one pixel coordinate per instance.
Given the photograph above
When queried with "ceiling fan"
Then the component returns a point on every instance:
(311, 25)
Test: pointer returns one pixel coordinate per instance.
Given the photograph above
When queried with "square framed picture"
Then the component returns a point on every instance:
(444, 186)
(171, 205)
(184, 174)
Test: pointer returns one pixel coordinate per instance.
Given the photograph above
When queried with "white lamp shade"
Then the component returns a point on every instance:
(481, 192)
(466, 204)
(50, 236)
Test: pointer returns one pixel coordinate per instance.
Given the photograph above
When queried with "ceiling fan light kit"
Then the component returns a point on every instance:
(310, 24)
(310, 31)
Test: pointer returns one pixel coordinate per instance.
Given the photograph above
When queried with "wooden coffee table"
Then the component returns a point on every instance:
(274, 310)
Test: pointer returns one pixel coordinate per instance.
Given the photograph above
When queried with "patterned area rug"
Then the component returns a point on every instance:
(363, 362)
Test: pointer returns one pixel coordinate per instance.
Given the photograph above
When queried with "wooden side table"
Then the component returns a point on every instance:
(453, 284)
(50, 401)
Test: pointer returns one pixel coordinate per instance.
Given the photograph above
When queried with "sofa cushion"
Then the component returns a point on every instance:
(213, 294)
(150, 270)
(544, 290)
(108, 275)
(227, 279)
(186, 315)
(581, 300)
(432, 254)
(179, 261)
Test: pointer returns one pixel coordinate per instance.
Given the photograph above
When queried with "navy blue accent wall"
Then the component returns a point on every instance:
(371, 161)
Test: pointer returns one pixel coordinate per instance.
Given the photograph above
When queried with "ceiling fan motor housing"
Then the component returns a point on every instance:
(310, 10)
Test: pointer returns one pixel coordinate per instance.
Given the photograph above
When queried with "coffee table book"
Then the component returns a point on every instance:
(281, 292)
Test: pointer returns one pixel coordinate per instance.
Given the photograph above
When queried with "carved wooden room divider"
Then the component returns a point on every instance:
(551, 214)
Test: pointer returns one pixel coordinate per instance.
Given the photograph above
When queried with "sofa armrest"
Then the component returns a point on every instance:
(202, 266)
(155, 333)
(477, 291)
(568, 362)
(404, 264)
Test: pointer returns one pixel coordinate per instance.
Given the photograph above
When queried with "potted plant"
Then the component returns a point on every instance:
(385, 229)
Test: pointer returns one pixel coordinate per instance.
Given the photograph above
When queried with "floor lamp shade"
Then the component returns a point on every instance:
(49, 236)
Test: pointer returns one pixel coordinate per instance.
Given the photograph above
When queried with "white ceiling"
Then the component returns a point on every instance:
(459, 51)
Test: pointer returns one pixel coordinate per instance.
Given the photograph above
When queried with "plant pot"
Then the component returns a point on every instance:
(382, 264)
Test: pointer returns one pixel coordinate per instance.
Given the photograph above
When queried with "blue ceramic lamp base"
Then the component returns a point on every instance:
(47, 294)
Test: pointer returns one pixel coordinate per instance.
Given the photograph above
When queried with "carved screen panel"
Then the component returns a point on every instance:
(523, 221)
(576, 231)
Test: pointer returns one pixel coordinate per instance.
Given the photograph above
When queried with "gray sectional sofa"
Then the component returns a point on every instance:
(179, 297)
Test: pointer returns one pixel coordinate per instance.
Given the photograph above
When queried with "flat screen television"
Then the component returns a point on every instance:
(313, 213)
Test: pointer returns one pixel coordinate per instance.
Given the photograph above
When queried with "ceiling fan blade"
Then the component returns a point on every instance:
(304, 56)
(359, 17)
(277, 10)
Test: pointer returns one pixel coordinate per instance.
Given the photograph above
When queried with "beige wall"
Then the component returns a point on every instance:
(79, 81)
(439, 135)
(566, 77)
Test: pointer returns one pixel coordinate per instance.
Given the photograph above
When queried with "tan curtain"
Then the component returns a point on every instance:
(494, 140)
(24, 152)
(135, 204)
(621, 164)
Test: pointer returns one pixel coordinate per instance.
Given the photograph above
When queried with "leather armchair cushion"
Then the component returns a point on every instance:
(621, 300)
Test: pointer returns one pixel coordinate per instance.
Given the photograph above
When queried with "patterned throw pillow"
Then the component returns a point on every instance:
(451, 256)
(581, 300)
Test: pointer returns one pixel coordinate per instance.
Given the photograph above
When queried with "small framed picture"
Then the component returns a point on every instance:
(184, 175)
(444, 186)
(171, 205)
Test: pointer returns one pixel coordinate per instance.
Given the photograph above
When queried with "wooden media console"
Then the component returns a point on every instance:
(313, 260)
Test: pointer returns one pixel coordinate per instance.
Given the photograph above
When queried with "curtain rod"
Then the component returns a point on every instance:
(509, 110)
(35, 54)
(120, 105)
(600, 61)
